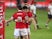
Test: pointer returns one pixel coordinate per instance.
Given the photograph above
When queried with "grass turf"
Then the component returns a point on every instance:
(39, 34)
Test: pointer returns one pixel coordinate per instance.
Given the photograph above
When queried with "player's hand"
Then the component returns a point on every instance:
(6, 23)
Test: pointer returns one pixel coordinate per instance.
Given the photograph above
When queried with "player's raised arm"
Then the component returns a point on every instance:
(12, 18)
(9, 19)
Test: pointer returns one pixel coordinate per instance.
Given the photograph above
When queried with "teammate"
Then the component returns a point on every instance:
(33, 9)
(29, 19)
(20, 29)
(49, 14)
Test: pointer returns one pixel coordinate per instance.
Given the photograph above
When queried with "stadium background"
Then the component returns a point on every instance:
(41, 17)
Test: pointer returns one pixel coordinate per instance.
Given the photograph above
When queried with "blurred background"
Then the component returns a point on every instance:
(40, 3)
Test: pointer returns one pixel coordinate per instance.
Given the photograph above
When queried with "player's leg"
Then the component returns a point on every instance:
(35, 18)
(28, 33)
(49, 19)
(47, 23)
(16, 37)
(21, 37)
(16, 34)
(26, 36)
(24, 33)
(28, 30)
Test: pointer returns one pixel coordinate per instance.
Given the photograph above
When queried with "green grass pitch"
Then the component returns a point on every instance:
(39, 34)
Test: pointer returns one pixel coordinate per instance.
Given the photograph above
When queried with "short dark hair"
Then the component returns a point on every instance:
(25, 7)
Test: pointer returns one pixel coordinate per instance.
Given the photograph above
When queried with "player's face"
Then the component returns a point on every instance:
(28, 10)
(25, 10)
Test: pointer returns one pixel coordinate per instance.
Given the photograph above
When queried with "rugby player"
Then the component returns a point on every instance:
(33, 9)
(49, 14)
(20, 29)
(29, 19)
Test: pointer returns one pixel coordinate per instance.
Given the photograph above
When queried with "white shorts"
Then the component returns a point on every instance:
(16, 32)
(20, 32)
(28, 30)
